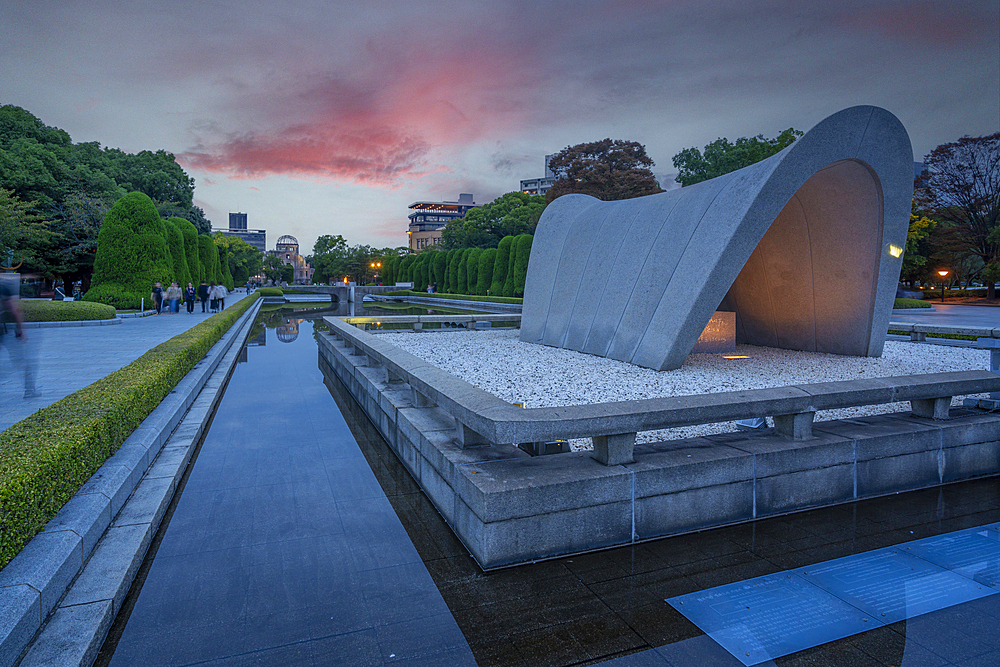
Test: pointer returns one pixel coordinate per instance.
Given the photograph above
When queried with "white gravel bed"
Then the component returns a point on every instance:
(541, 376)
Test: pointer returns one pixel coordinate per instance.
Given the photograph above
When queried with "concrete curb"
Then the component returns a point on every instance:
(100, 536)
(71, 323)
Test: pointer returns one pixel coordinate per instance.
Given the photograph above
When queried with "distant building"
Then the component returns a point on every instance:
(238, 228)
(430, 217)
(287, 250)
(237, 221)
(539, 186)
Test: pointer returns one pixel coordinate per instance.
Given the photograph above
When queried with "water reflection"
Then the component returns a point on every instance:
(611, 605)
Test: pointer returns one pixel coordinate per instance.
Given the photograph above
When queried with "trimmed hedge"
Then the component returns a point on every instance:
(458, 297)
(910, 303)
(485, 278)
(500, 265)
(208, 257)
(275, 291)
(178, 253)
(65, 311)
(190, 235)
(47, 457)
(131, 254)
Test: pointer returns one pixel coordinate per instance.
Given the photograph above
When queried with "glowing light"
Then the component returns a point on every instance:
(736, 356)
(943, 272)
(895, 250)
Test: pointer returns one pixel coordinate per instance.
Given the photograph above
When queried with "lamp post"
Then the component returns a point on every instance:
(942, 273)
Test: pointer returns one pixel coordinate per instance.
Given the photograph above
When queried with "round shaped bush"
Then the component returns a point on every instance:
(270, 291)
(131, 253)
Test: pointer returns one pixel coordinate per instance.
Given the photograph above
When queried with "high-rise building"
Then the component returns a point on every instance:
(539, 186)
(237, 221)
(238, 227)
(430, 217)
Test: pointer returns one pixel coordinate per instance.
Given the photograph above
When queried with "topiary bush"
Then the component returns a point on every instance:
(209, 258)
(472, 270)
(65, 311)
(178, 253)
(523, 245)
(131, 254)
(47, 457)
(191, 256)
(500, 266)
(270, 291)
(485, 278)
(439, 267)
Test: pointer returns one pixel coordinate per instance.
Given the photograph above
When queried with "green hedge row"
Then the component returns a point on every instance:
(47, 457)
(65, 311)
(270, 291)
(499, 271)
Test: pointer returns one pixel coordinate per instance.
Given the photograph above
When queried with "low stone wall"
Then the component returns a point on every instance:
(509, 508)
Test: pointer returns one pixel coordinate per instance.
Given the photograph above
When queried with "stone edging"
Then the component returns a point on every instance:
(116, 512)
(71, 323)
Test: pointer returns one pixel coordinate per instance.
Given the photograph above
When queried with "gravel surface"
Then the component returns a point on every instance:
(540, 376)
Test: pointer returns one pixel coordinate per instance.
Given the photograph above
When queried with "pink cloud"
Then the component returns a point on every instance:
(378, 123)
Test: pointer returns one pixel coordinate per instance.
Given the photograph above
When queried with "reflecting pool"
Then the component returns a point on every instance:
(299, 539)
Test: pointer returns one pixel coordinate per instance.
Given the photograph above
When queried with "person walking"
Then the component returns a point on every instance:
(174, 298)
(203, 294)
(157, 298)
(189, 297)
(213, 295)
(12, 332)
(223, 293)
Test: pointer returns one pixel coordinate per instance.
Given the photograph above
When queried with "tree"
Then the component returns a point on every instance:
(272, 266)
(520, 272)
(485, 278)
(243, 259)
(208, 257)
(916, 253)
(439, 263)
(483, 227)
(451, 276)
(178, 253)
(462, 272)
(963, 179)
(500, 266)
(607, 169)
(190, 235)
(508, 283)
(472, 270)
(721, 156)
(21, 231)
(76, 224)
(131, 253)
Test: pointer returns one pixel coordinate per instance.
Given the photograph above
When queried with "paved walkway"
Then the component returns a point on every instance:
(70, 358)
(951, 315)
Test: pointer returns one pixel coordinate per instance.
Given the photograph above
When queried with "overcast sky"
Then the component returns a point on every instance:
(329, 117)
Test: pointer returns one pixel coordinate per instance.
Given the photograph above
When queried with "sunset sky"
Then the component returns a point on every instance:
(329, 117)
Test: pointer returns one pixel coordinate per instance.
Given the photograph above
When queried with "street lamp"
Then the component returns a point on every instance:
(942, 273)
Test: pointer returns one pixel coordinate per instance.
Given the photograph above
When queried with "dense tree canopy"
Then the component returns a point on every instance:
(609, 169)
(512, 214)
(70, 187)
(721, 157)
(243, 259)
(961, 184)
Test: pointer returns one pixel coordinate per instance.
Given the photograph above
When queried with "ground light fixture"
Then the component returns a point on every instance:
(736, 356)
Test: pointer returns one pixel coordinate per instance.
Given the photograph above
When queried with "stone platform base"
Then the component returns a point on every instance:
(508, 507)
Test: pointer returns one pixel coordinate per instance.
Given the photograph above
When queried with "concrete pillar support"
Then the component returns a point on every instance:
(797, 426)
(466, 437)
(612, 450)
(931, 408)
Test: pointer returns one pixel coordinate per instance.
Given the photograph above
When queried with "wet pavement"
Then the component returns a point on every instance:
(951, 315)
(299, 539)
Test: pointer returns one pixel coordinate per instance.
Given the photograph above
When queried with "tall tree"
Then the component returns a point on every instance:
(721, 156)
(609, 169)
(131, 253)
(512, 214)
(963, 179)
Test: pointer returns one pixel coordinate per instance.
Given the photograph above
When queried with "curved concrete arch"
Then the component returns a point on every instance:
(805, 247)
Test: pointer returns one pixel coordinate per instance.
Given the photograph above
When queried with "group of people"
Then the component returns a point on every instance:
(168, 301)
